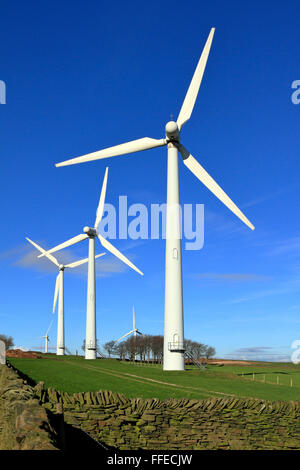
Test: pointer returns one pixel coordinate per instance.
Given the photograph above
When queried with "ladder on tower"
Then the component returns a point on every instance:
(194, 361)
(100, 353)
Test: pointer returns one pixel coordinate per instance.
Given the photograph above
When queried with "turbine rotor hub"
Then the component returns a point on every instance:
(172, 131)
(91, 232)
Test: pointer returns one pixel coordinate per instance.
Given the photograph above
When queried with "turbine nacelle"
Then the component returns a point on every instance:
(91, 232)
(172, 131)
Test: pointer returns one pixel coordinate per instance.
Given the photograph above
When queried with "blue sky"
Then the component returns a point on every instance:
(81, 76)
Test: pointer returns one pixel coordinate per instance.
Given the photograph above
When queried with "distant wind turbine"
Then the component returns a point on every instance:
(91, 234)
(59, 292)
(46, 337)
(134, 330)
(173, 335)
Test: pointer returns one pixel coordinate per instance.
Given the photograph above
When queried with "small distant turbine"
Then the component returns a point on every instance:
(91, 234)
(59, 292)
(134, 330)
(46, 337)
(173, 334)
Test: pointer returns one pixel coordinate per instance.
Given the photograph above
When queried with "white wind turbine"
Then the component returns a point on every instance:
(46, 336)
(91, 234)
(173, 333)
(59, 292)
(134, 330)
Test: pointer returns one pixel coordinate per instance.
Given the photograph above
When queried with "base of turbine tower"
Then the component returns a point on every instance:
(174, 357)
(90, 354)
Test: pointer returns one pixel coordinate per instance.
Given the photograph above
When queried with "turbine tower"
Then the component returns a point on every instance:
(91, 234)
(59, 292)
(173, 321)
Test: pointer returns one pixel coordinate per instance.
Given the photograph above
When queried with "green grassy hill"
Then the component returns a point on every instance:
(75, 374)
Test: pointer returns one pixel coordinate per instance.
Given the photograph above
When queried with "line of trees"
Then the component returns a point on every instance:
(150, 348)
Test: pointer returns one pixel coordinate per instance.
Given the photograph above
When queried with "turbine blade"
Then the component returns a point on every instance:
(122, 149)
(106, 244)
(195, 167)
(82, 261)
(50, 257)
(70, 242)
(191, 96)
(139, 332)
(56, 290)
(49, 328)
(101, 200)
(124, 336)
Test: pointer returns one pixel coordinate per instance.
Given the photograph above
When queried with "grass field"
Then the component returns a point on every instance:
(74, 374)
(268, 373)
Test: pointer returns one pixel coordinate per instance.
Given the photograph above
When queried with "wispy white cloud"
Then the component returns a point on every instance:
(218, 224)
(12, 253)
(259, 353)
(29, 259)
(251, 350)
(265, 293)
(108, 267)
(289, 246)
(26, 257)
(262, 199)
(132, 244)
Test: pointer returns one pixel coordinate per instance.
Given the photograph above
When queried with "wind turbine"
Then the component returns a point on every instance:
(59, 292)
(47, 339)
(91, 234)
(173, 330)
(134, 330)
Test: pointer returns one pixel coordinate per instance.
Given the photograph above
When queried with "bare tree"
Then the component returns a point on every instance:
(147, 343)
(130, 348)
(140, 347)
(198, 349)
(210, 352)
(157, 347)
(188, 345)
(7, 340)
(110, 347)
(120, 349)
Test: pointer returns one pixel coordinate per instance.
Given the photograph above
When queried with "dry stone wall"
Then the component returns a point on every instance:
(132, 424)
(24, 424)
